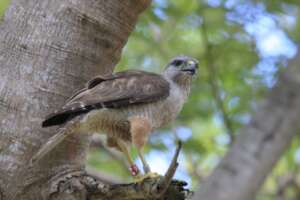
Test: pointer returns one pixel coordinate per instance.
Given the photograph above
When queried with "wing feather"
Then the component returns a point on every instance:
(112, 91)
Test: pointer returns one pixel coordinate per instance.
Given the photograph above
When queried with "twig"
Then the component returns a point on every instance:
(167, 179)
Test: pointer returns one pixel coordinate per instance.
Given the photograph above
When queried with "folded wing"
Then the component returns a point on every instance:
(114, 91)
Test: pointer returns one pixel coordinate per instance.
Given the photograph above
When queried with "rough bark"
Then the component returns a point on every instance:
(259, 144)
(48, 49)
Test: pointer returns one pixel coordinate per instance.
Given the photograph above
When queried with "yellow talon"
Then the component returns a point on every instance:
(141, 178)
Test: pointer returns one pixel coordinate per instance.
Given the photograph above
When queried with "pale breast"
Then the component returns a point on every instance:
(162, 112)
(173, 104)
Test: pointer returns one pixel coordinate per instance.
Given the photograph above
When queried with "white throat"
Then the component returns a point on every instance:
(174, 103)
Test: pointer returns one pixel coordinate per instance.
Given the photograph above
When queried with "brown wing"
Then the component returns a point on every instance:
(112, 91)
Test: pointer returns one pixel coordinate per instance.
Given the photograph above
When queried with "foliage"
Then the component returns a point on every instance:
(241, 46)
(246, 44)
(3, 6)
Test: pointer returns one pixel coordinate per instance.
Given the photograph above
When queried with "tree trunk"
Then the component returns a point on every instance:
(48, 49)
(260, 144)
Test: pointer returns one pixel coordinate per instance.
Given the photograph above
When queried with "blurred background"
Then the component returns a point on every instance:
(242, 46)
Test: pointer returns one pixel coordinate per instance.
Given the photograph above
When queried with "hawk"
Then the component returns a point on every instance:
(127, 106)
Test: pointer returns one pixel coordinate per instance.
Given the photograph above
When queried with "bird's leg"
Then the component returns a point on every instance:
(140, 129)
(133, 168)
(146, 167)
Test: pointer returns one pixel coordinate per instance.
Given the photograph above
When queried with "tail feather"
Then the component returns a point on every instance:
(62, 117)
(56, 120)
(51, 143)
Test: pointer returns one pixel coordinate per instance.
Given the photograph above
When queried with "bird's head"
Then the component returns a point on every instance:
(181, 69)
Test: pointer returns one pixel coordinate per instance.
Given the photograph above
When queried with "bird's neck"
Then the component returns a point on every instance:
(182, 83)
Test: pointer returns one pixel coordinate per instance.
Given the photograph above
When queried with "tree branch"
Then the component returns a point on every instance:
(88, 187)
(95, 190)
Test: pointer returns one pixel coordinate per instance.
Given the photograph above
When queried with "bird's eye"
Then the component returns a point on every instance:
(177, 63)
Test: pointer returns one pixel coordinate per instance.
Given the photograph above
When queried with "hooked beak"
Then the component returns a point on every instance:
(190, 67)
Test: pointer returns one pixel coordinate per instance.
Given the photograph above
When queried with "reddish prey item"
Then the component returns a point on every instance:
(134, 170)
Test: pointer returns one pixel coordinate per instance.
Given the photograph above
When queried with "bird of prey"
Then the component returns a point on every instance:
(127, 106)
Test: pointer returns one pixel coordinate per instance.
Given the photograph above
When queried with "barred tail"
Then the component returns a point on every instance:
(51, 143)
